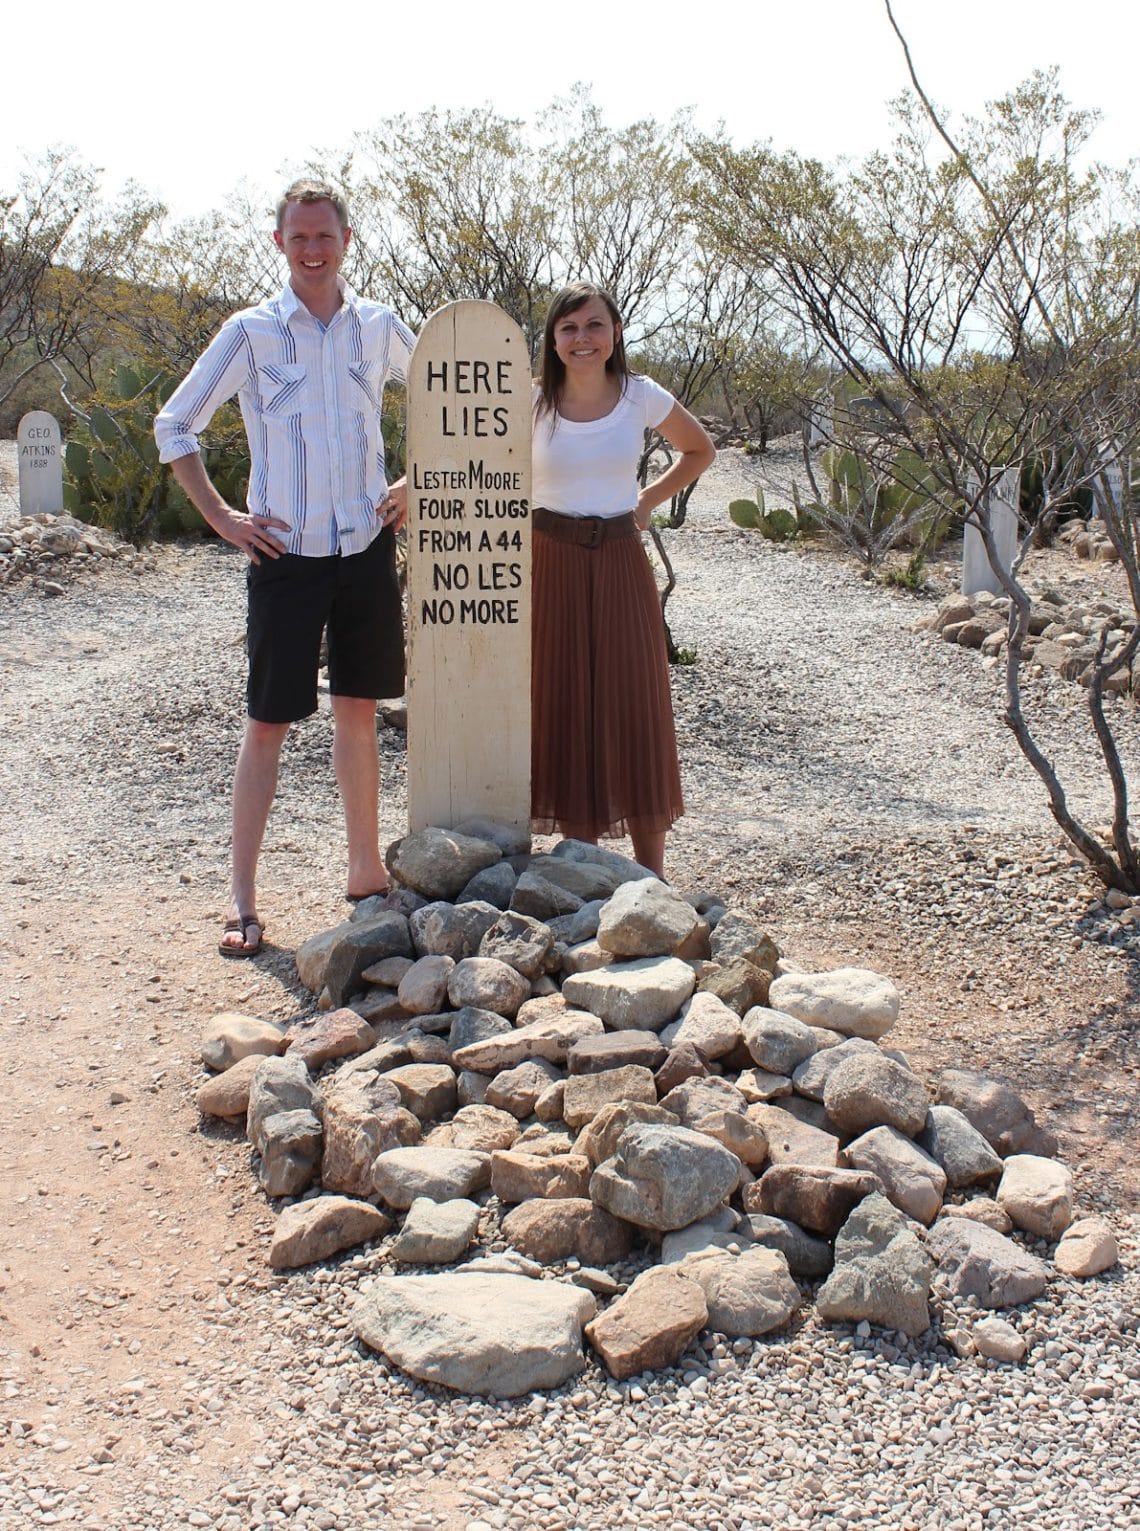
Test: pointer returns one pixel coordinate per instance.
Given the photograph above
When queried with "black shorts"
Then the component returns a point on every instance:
(291, 600)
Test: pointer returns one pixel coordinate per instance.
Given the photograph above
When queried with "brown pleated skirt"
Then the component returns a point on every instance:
(603, 746)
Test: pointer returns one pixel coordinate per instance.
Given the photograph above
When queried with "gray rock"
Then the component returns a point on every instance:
(807, 1255)
(423, 988)
(229, 1037)
(810, 1078)
(550, 1036)
(512, 839)
(959, 1148)
(352, 947)
(495, 1335)
(645, 919)
(542, 900)
(600, 1051)
(521, 942)
(996, 1110)
(1037, 1194)
(450, 930)
(517, 1090)
(363, 1117)
(439, 863)
(471, 1088)
(735, 937)
(582, 925)
(776, 1041)
(435, 1232)
(585, 854)
(474, 1025)
(643, 995)
(487, 984)
(664, 1177)
(584, 1095)
(749, 1293)
(697, 1098)
(591, 883)
(290, 1152)
(493, 885)
(710, 1025)
(982, 1263)
(912, 1180)
(319, 1228)
(442, 1174)
(706, 1233)
(387, 972)
(598, 1140)
(872, 1090)
(854, 1001)
(278, 1084)
(882, 1273)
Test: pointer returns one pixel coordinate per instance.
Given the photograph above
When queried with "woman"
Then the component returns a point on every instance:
(604, 753)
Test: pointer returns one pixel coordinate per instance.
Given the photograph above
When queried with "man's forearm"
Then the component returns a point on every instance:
(196, 484)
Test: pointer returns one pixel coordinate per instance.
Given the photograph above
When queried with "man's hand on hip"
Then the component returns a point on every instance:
(393, 508)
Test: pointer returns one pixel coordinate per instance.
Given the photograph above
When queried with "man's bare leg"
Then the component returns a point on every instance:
(255, 782)
(356, 761)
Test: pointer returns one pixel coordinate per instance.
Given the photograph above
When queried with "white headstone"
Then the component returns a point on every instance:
(41, 464)
(1109, 481)
(819, 423)
(469, 540)
(999, 506)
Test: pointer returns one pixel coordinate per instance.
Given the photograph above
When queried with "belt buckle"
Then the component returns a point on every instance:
(596, 531)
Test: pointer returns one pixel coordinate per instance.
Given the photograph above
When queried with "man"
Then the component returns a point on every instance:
(309, 368)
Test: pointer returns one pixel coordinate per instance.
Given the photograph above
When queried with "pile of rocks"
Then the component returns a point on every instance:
(51, 550)
(568, 1062)
(1089, 540)
(1064, 637)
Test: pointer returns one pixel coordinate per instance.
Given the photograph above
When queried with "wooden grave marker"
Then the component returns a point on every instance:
(469, 549)
(41, 464)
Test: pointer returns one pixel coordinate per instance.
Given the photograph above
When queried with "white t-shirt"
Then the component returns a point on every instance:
(589, 467)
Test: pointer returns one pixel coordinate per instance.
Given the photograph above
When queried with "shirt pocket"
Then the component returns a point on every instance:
(367, 383)
(282, 388)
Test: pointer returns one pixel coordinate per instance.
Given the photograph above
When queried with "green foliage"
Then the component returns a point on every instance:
(113, 476)
(777, 525)
(686, 657)
(875, 505)
(912, 576)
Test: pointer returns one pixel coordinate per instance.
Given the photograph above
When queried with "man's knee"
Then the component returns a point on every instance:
(265, 738)
(354, 711)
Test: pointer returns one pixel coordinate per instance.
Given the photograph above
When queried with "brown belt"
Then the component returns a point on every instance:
(586, 531)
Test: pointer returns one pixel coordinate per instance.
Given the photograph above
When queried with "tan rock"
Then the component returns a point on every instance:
(229, 1036)
(336, 1034)
(791, 1141)
(599, 1139)
(313, 1230)
(227, 1095)
(554, 1228)
(518, 1176)
(1087, 1247)
(651, 1325)
(1037, 1193)
(584, 1095)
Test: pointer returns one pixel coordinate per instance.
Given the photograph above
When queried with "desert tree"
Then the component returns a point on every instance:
(981, 291)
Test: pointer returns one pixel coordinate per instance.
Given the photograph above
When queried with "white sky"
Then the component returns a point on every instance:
(189, 101)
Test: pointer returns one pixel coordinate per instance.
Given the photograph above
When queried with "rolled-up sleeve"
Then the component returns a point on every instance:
(221, 371)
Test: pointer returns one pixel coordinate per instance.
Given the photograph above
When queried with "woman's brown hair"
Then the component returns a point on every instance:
(552, 373)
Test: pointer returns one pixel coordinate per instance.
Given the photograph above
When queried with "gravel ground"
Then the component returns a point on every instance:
(846, 778)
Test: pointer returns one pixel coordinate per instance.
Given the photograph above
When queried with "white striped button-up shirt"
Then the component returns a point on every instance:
(310, 397)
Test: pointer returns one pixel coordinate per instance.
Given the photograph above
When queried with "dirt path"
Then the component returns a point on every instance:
(146, 1355)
